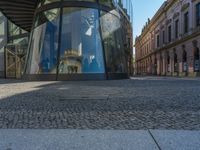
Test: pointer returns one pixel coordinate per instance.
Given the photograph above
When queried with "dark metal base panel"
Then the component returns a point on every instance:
(74, 77)
(117, 76)
(40, 77)
(81, 77)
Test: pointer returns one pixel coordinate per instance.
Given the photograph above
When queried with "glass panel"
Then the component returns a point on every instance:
(81, 48)
(22, 45)
(126, 6)
(47, 16)
(10, 53)
(106, 2)
(44, 2)
(2, 43)
(21, 41)
(13, 29)
(113, 43)
(2, 24)
(44, 44)
(82, 0)
(50, 1)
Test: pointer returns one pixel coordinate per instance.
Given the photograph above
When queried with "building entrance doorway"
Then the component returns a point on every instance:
(14, 61)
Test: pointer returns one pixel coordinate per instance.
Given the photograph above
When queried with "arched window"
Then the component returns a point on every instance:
(175, 63)
(196, 60)
(155, 65)
(168, 63)
(198, 14)
(184, 56)
(196, 54)
(155, 61)
(161, 64)
(184, 61)
(168, 60)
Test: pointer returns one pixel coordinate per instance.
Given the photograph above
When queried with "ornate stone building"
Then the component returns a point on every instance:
(169, 43)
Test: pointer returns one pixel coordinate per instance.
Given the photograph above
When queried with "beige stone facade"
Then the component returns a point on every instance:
(170, 42)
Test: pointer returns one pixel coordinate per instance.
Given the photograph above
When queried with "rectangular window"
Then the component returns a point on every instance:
(170, 33)
(158, 41)
(186, 22)
(176, 28)
(163, 37)
(198, 14)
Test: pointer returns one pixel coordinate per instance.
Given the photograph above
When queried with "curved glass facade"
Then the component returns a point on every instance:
(81, 47)
(113, 43)
(77, 41)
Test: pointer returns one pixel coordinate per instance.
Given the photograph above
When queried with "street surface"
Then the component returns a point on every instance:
(140, 103)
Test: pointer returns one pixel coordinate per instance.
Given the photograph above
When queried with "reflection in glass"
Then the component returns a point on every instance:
(113, 43)
(2, 24)
(81, 48)
(80, 42)
(44, 44)
(83, 0)
(126, 6)
(13, 29)
(2, 43)
(106, 2)
(44, 2)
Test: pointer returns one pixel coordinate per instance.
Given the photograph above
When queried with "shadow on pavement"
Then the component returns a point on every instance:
(122, 104)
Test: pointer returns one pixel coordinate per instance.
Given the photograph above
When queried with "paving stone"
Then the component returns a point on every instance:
(138, 103)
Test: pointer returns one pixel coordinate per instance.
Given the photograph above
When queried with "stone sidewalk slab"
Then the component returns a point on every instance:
(23, 139)
(29, 139)
(177, 140)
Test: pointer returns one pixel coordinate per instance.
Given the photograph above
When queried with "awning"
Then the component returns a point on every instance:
(20, 12)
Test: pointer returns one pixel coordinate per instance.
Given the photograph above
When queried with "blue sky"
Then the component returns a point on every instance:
(144, 9)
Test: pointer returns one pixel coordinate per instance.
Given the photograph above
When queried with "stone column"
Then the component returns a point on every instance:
(153, 57)
(140, 67)
(158, 56)
(146, 66)
(150, 65)
(164, 64)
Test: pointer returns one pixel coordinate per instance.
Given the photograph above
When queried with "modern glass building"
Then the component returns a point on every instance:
(74, 40)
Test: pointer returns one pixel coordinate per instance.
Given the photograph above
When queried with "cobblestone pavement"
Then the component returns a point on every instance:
(138, 103)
